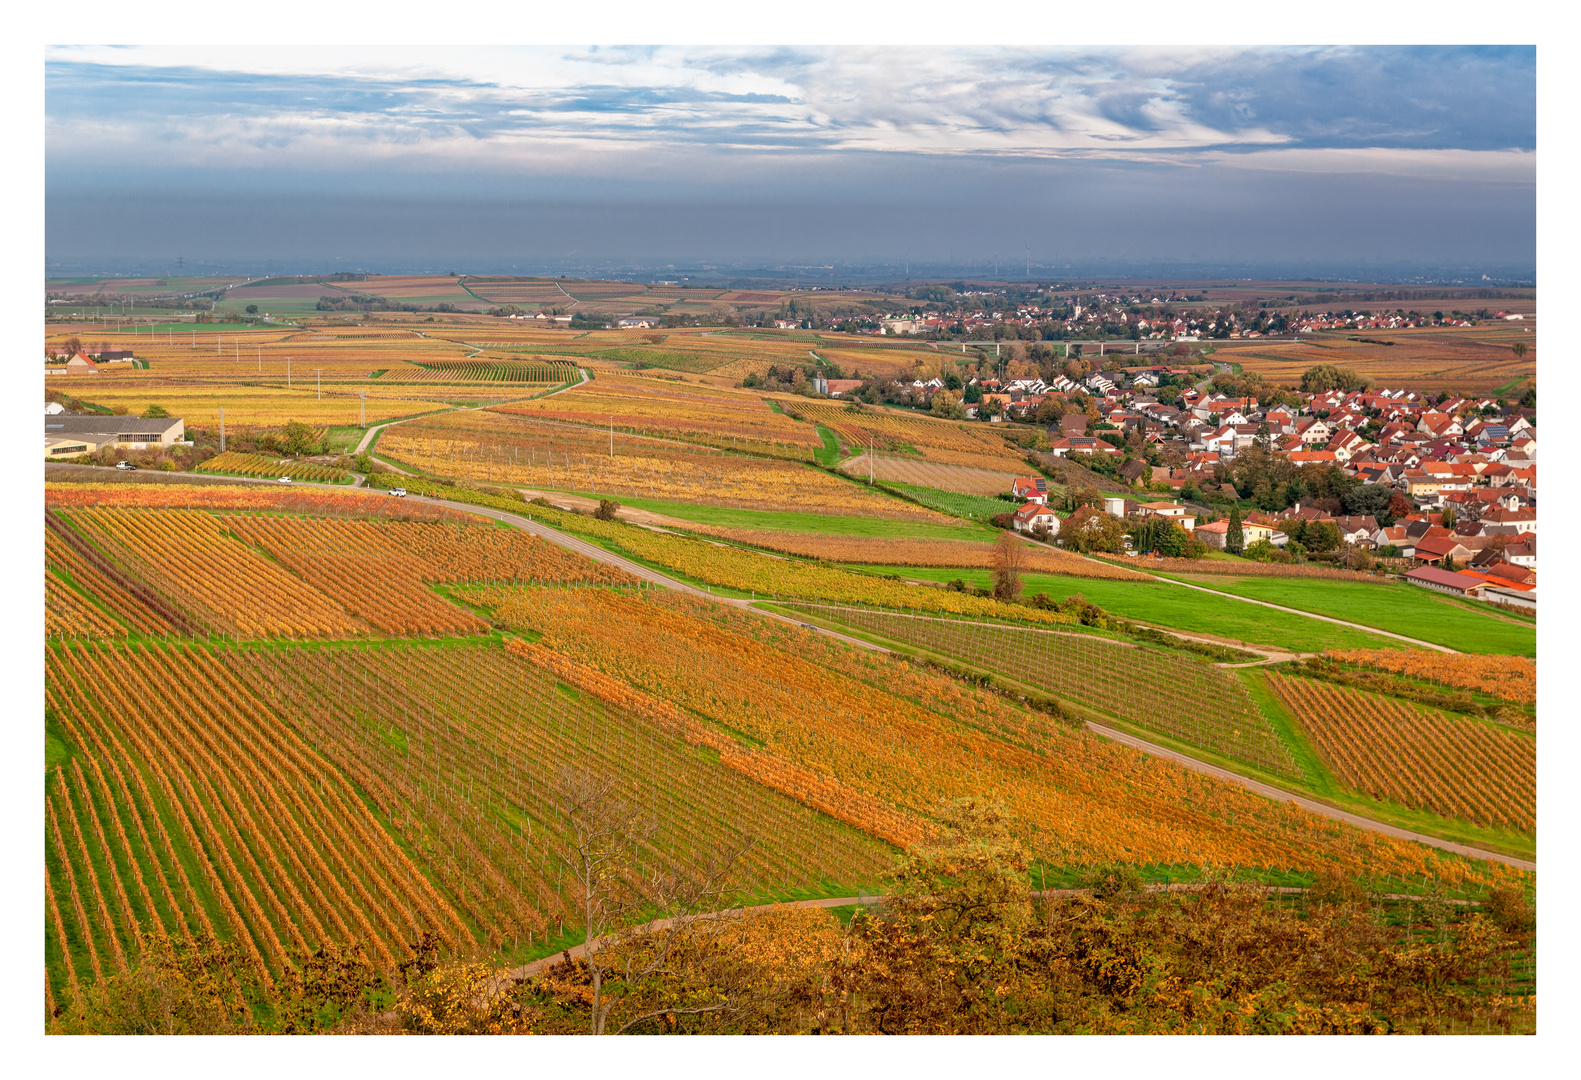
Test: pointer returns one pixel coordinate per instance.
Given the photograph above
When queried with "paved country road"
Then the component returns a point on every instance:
(598, 554)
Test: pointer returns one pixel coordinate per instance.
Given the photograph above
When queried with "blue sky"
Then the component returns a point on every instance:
(1383, 158)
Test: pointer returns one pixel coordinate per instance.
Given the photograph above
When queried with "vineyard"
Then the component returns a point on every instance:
(1457, 767)
(978, 507)
(234, 464)
(242, 497)
(912, 471)
(977, 554)
(884, 741)
(557, 456)
(217, 792)
(1180, 696)
(186, 571)
(765, 575)
(1155, 564)
(939, 441)
(376, 571)
(539, 373)
(722, 419)
(1508, 678)
(203, 577)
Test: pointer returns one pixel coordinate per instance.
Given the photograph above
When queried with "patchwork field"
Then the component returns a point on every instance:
(718, 418)
(528, 452)
(286, 719)
(936, 441)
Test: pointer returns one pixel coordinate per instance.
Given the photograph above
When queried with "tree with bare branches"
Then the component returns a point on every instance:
(627, 975)
(1010, 559)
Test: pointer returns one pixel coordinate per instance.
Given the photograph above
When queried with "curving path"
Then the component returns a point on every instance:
(598, 554)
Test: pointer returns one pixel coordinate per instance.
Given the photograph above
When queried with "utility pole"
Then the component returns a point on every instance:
(288, 373)
(870, 461)
(320, 383)
(260, 359)
(362, 408)
(222, 429)
(612, 435)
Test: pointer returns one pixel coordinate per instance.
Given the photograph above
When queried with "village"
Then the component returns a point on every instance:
(1443, 488)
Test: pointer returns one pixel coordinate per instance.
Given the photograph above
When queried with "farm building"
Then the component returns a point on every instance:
(1445, 581)
(81, 365)
(133, 432)
(57, 446)
(1215, 534)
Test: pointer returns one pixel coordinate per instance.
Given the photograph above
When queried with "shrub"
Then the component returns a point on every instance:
(606, 509)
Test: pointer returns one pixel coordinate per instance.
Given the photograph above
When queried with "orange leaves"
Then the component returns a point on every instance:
(1509, 678)
(809, 716)
(187, 557)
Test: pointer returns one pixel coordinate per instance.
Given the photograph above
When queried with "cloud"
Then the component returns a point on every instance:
(481, 106)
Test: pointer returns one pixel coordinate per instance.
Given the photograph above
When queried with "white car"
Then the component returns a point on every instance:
(283, 480)
(126, 465)
(399, 492)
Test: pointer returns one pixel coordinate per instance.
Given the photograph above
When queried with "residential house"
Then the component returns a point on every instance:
(1031, 516)
(1031, 488)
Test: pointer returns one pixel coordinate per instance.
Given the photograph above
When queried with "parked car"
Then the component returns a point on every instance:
(399, 492)
(126, 465)
(284, 480)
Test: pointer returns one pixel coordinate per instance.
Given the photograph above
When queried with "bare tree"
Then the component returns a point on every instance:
(628, 960)
(1010, 559)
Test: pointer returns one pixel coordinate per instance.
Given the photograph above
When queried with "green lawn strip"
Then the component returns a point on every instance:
(829, 456)
(1319, 781)
(1172, 608)
(1393, 606)
(1509, 386)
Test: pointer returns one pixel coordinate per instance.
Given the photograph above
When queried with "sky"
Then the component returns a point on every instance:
(1385, 162)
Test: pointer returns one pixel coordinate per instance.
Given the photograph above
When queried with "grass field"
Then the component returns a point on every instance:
(1399, 608)
(1175, 608)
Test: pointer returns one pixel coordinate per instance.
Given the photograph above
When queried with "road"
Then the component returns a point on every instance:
(598, 554)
